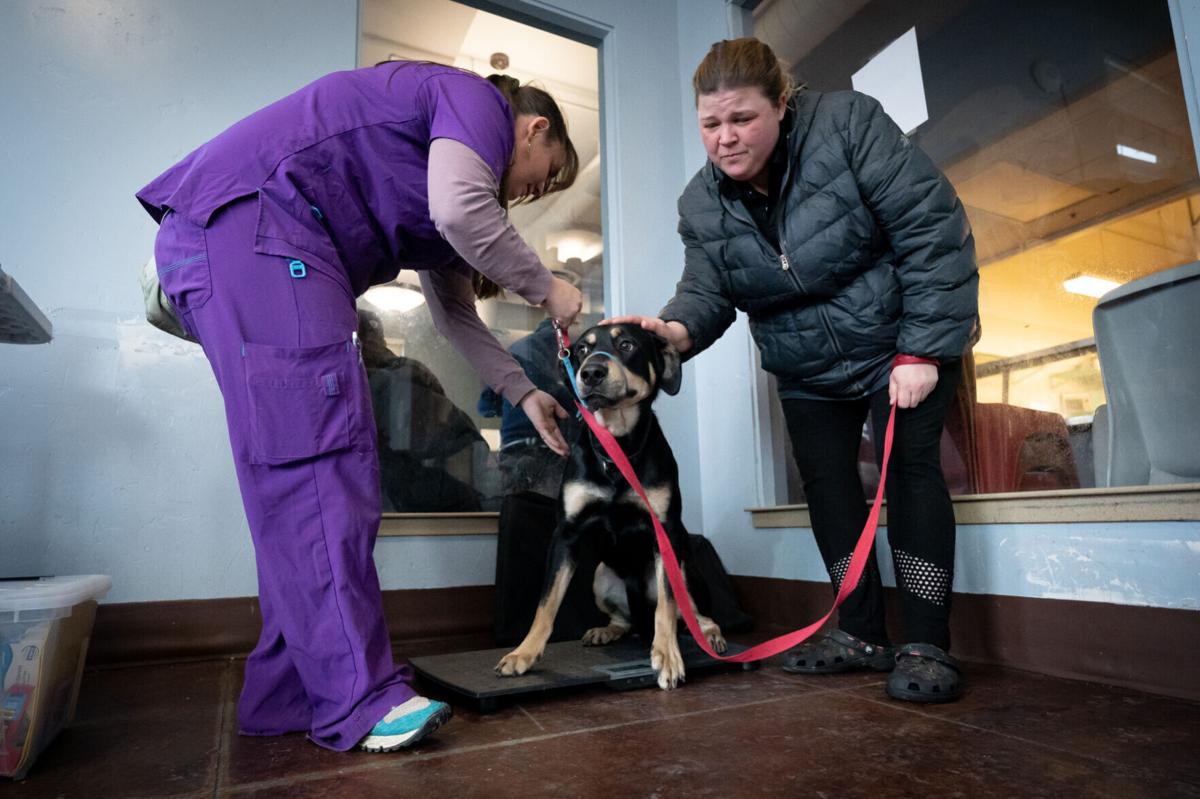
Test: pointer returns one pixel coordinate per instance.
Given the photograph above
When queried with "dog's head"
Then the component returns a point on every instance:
(620, 365)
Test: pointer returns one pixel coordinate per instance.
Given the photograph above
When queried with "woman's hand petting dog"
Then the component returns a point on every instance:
(543, 410)
(674, 332)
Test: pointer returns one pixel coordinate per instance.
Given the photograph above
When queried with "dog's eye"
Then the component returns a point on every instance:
(581, 350)
(626, 345)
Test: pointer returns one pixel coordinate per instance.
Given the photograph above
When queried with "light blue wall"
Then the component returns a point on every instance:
(113, 452)
(113, 456)
(1156, 565)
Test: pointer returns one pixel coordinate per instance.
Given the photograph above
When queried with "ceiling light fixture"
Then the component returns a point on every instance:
(400, 299)
(566, 274)
(1136, 154)
(499, 61)
(575, 243)
(1089, 286)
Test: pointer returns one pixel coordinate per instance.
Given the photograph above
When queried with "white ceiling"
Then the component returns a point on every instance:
(452, 31)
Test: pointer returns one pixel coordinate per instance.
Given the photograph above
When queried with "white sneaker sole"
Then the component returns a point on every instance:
(390, 743)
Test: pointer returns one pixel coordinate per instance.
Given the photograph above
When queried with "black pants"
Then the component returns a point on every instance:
(825, 440)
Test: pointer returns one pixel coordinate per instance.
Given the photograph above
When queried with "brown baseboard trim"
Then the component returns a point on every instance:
(1149, 649)
(204, 628)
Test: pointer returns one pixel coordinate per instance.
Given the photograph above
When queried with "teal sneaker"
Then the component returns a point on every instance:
(406, 724)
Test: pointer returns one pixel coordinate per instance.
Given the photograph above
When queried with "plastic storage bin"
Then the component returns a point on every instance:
(45, 627)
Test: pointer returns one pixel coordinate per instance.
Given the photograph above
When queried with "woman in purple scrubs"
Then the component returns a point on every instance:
(267, 235)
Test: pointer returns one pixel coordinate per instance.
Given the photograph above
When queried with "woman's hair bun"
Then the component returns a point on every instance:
(507, 84)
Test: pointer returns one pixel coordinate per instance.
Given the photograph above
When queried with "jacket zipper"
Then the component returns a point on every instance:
(823, 312)
(784, 185)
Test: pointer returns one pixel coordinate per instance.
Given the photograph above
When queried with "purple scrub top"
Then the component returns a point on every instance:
(340, 166)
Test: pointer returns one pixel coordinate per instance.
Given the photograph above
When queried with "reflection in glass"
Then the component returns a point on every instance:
(1064, 128)
(432, 456)
(526, 463)
(438, 451)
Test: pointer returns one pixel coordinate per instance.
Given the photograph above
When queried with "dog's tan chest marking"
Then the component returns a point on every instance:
(659, 496)
(576, 495)
(619, 421)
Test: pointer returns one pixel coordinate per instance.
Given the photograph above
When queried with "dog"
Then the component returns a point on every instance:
(620, 370)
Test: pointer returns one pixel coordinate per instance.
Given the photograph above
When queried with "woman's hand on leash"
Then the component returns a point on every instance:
(563, 302)
(674, 332)
(543, 410)
(911, 383)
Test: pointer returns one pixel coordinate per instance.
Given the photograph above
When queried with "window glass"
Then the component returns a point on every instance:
(447, 443)
(1063, 126)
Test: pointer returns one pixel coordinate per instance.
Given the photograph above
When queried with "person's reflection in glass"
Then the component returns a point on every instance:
(426, 443)
(526, 463)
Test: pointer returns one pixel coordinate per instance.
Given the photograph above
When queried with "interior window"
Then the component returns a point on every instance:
(1064, 128)
(447, 443)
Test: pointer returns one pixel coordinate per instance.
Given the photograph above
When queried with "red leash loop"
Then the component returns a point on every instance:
(858, 561)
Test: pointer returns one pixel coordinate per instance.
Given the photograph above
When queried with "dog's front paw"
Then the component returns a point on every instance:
(599, 636)
(715, 639)
(667, 662)
(517, 662)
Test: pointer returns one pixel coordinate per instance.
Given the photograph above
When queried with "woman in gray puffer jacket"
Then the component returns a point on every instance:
(852, 256)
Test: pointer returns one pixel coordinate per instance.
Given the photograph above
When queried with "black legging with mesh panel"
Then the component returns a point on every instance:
(825, 440)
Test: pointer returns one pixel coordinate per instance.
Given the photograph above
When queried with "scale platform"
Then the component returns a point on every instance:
(620, 666)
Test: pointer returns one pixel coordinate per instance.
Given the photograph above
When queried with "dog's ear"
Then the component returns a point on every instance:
(672, 368)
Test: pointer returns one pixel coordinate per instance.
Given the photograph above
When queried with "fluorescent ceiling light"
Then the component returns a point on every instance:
(1136, 154)
(575, 243)
(394, 298)
(1089, 286)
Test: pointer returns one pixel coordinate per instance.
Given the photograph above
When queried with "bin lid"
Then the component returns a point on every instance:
(60, 591)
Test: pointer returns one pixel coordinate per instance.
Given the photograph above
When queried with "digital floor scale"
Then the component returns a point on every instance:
(620, 666)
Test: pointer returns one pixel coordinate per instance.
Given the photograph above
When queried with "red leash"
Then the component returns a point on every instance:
(858, 560)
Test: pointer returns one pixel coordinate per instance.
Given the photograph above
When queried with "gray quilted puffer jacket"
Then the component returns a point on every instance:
(877, 256)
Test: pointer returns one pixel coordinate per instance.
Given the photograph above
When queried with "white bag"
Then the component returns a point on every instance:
(159, 311)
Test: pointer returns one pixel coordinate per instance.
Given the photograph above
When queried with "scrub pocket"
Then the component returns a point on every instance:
(181, 255)
(304, 401)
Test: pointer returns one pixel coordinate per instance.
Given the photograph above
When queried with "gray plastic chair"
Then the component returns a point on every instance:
(1147, 332)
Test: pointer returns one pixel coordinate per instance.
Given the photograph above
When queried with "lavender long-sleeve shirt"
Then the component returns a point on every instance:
(464, 207)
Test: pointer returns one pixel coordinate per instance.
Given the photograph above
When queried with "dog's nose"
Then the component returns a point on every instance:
(593, 373)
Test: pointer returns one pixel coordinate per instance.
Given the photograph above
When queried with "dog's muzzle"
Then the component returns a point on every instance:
(598, 384)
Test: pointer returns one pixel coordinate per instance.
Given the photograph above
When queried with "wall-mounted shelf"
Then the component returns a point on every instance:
(20, 320)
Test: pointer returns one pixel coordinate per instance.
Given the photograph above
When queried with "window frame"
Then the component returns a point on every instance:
(1177, 503)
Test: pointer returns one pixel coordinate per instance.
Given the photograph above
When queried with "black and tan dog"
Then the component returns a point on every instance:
(620, 370)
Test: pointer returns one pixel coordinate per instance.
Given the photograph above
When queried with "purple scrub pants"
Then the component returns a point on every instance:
(279, 338)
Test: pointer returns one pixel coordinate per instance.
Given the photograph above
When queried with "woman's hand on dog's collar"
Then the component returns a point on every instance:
(544, 411)
(563, 302)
